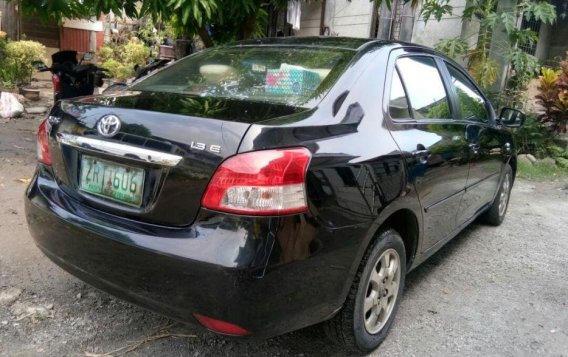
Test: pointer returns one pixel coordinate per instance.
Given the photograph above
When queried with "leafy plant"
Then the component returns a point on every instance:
(241, 19)
(106, 53)
(121, 60)
(118, 70)
(436, 9)
(3, 43)
(453, 47)
(7, 73)
(492, 18)
(19, 58)
(134, 53)
(553, 97)
(533, 138)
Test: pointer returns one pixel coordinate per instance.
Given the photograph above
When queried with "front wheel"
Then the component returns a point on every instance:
(375, 295)
(496, 212)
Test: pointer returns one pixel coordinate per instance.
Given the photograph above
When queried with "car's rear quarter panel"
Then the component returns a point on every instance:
(356, 179)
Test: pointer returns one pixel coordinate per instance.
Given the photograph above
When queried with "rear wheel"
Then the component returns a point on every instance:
(495, 215)
(375, 295)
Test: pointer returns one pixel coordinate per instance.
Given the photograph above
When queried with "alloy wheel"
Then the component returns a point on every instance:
(382, 291)
(504, 195)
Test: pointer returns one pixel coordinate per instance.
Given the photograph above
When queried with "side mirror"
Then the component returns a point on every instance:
(88, 56)
(513, 118)
(40, 66)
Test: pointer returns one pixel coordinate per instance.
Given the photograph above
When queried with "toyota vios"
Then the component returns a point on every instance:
(270, 185)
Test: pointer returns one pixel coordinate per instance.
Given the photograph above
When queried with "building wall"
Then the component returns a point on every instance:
(80, 40)
(559, 40)
(9, 18)
(431, 32)
(310, 19)
(353, 18)
(82, 35)
(33, 28)
(349, 18)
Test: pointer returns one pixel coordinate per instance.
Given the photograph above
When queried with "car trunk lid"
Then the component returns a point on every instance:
(168, 144)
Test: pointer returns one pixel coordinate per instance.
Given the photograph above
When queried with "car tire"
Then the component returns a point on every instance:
(495, 215)
(360, 330)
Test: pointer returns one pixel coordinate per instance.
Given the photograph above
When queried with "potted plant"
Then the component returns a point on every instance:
(19, 56)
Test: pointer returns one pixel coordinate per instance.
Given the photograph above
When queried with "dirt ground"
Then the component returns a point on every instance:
(491, 291)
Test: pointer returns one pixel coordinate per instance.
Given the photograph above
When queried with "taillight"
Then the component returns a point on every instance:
(223, 327)
(268, 182)
(56, 81)
(43, 153)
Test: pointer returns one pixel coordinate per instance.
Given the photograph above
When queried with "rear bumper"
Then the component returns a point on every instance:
(224, 267)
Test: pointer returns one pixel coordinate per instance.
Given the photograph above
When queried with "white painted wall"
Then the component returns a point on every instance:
(450, 26)
(349, 18)
(353, 19)
(90, 25)
(310, 19)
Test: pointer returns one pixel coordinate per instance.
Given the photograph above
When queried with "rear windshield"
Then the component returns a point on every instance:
(280, 75)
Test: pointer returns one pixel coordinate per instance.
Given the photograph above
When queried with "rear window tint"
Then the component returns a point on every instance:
(280, 75)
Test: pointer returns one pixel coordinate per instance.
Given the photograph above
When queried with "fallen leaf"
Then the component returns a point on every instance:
(24, 180)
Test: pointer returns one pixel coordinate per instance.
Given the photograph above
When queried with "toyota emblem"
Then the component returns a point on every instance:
(109, 125)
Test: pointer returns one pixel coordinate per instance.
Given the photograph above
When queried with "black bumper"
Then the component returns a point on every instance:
(224, 267)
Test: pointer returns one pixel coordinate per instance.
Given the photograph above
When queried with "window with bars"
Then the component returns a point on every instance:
(533, 25)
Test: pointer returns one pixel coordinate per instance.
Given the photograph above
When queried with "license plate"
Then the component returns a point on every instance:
(113, 181)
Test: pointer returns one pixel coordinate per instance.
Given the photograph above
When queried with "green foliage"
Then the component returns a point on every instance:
(553, 97)
(436, 9)
(538, 10)
(240, 19)
(6, 79)
(106, 53)
(491, 18)
(7, 75)
(533, 138)
(562, 162)
(120, 60)
(152, 33)
(539, 171)
(133, 53)
(454, 48)
(118, 70)
(19, 56)
(3, 43)
(413, 3)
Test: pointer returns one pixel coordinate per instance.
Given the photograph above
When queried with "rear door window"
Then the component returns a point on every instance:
(424, 86)
(472, 105)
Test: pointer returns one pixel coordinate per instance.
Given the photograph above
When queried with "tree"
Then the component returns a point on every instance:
(233, 19)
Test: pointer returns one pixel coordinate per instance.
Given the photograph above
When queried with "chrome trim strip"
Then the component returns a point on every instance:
(119, 150)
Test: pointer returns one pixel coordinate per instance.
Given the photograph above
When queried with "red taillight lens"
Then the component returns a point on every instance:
(43, 153)
(269, 182)
(221, 326)
(56, 81)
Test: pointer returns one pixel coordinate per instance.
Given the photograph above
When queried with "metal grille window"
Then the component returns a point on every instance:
(533, 25)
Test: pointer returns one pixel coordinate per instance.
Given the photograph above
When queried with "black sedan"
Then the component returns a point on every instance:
(270, 185)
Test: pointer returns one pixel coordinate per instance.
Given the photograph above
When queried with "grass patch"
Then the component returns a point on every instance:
(541, 172)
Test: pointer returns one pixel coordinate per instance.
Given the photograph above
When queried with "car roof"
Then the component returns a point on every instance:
(344, 43)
